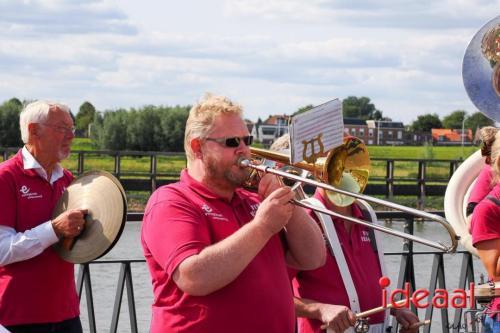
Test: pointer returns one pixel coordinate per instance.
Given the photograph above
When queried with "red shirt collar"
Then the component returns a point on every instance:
(18, 158)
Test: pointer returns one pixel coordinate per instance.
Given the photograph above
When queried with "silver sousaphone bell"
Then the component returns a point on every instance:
(481, 69)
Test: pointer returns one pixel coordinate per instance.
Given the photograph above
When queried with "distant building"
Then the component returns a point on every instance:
(358, 128)
(417, 138)
(270, 129)
(448, 136)
(385, 132)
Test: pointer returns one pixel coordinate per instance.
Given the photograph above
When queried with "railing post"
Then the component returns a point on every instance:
(81, 166)
(437, 277)
(152, 170)
(117, 164)
(389, 179)
(84, 278)
(453, 168)
(406, 268)
(421, 184)
(124, 277)
(466, 275)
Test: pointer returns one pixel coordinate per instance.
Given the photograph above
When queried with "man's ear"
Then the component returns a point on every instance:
(33, 130)
(196, 147)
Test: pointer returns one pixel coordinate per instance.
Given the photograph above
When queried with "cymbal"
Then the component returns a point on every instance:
(481, 69)
(104, 197)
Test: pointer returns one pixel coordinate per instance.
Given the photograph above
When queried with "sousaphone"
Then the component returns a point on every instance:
(104, 197)
(481, 76)
(481, 69)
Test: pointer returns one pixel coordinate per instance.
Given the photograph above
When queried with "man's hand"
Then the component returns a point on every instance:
(70, 223)
(275, 211)
(406, 319)
(336, 317)
(268, 184)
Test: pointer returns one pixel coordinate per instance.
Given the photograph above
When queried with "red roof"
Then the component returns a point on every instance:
(452, 135)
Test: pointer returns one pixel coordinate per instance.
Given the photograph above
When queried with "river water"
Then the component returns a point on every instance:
(105, 277)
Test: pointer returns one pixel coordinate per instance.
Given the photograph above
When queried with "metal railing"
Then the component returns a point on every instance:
(406, 274)
(420, 182)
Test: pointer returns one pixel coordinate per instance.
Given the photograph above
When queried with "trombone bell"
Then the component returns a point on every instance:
(346, 167)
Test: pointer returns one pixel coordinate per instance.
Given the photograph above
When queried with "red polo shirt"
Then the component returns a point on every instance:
(485, 225)
(182, 219)
(483, 184)
(325, 284)
(40, 289)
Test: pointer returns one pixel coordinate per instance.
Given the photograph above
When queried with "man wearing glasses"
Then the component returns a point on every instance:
(218, 254)
(37, 287)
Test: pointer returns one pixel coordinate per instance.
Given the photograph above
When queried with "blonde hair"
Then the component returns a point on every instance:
(201, 118)
(282, 143)
(37, 112)
(491, 148)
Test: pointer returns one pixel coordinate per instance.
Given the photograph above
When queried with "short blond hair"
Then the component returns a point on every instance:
(201, 118)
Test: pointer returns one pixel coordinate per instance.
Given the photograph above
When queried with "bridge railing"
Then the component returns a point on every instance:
(406, 274)
(389, 177)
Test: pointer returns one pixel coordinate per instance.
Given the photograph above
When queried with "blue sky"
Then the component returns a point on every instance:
(272, 56)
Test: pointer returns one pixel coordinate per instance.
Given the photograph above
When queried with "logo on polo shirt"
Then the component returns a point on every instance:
(206, 208)
(365, 236)
(209, 212)
(26, 193)
(253, 209)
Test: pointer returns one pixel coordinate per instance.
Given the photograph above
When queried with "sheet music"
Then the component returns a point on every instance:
(325, 119)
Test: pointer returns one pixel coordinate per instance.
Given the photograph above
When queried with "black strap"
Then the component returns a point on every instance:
(493, 199)
(470, 208)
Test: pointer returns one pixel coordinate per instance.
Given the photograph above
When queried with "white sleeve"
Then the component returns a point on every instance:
(18, 246)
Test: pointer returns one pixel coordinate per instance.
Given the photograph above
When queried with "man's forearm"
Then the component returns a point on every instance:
(219, 264)
(306, 248)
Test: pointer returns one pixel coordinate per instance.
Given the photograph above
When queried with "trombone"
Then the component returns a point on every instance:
(332, 163)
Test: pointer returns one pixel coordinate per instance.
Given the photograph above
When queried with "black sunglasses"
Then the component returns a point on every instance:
(234, 141)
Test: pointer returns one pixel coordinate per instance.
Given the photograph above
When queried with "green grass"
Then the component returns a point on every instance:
(404, 171)
(421, 152)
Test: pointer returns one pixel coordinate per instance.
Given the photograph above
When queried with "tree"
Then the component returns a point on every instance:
(84, 117)
(303, 109)
(173, 124)
(478, 120)
(426, 122)
(454, 119)
(361, 108)
(10, 135)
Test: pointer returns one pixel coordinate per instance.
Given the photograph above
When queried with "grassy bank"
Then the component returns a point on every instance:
(404, 171)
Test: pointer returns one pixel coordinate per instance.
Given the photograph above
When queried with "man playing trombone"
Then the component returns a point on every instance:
(327, 297)
(217, 253)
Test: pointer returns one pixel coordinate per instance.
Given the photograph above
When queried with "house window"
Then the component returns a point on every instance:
(353, 131)
(370, 132)
(370, 142)
(389, 134)
(346, 130)
(361, 132)
(400, 135)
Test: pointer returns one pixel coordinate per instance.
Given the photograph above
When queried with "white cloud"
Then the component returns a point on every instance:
(273, 56)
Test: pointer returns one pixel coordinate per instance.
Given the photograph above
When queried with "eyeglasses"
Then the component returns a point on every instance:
(62, 129)
(233, 142)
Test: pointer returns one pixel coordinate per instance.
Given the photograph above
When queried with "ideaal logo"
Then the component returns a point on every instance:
(441, 298)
